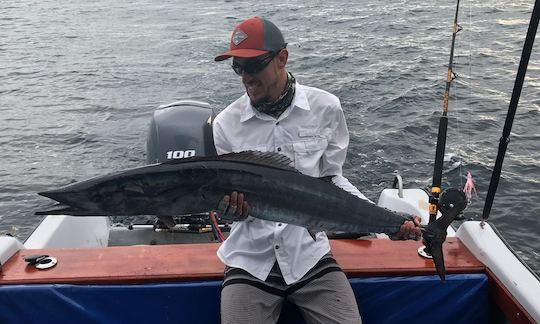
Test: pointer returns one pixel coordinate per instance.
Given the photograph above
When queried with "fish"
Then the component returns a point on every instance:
(275, 190)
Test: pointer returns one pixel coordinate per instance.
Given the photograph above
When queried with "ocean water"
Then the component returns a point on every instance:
(79, 81)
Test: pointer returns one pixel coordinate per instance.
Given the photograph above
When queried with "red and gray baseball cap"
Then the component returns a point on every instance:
(253, 37)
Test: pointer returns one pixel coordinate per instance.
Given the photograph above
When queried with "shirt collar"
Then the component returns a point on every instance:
(299, 100)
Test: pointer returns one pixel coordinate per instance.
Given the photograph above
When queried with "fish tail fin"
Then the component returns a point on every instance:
(438, 259)
(313, 234)
(434, 235)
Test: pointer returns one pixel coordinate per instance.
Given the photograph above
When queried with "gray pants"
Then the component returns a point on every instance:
(322, 297)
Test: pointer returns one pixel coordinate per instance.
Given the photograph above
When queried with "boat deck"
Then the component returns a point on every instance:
(184, 262)
(192, 273)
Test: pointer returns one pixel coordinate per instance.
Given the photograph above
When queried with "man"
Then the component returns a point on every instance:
(267, 262)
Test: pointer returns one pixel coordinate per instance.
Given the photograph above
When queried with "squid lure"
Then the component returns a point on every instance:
(469, 189)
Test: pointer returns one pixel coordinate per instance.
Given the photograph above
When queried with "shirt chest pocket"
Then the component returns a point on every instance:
(309, 148)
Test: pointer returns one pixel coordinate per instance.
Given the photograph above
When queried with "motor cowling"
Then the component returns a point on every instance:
(180, 130)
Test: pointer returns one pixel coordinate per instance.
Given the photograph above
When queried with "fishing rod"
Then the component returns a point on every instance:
(518, 85)
(443, 125)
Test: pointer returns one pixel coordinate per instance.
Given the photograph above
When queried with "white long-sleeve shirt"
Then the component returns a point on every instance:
(312, 132)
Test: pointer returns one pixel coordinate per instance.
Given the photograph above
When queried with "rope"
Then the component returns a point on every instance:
(215, 227)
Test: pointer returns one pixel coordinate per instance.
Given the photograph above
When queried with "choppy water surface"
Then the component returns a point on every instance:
(79, 81)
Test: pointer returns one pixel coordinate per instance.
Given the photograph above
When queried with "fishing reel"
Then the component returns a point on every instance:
(449, 198)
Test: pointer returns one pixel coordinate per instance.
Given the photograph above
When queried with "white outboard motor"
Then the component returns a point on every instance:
(180, 130)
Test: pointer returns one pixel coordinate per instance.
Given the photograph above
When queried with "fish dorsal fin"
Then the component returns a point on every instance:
(267, 159)
(270, 159)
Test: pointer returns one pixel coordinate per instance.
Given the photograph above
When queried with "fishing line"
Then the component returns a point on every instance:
(457, 108)
(469, 110)
(463, 140)
(468, 143)
(465, 144)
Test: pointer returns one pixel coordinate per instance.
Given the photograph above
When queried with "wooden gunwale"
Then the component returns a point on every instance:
(141, 264)
(196, 262)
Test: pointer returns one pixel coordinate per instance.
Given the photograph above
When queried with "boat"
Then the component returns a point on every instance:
(89, 269)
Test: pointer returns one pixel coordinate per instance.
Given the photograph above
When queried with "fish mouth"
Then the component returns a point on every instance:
(434, 234)
(60, 209)
(62, 205)
(58, 195)
(65, 203)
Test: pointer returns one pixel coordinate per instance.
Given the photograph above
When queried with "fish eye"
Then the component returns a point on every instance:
(97, 197)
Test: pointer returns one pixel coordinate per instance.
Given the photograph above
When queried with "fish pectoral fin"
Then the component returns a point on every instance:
(134, 189)
(313, 232)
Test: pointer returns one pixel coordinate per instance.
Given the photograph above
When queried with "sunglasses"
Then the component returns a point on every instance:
(254, 66)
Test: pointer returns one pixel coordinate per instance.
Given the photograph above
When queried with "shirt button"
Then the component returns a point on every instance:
(277, 123)
(279, 224)
(279, 149)
(277, 247)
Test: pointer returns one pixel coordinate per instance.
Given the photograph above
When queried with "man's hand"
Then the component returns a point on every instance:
(233, 206)
(410, 230)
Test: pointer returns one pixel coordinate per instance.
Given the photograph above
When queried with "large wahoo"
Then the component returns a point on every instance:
(274, 190)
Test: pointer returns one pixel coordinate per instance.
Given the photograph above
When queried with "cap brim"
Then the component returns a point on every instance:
(243, 53)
